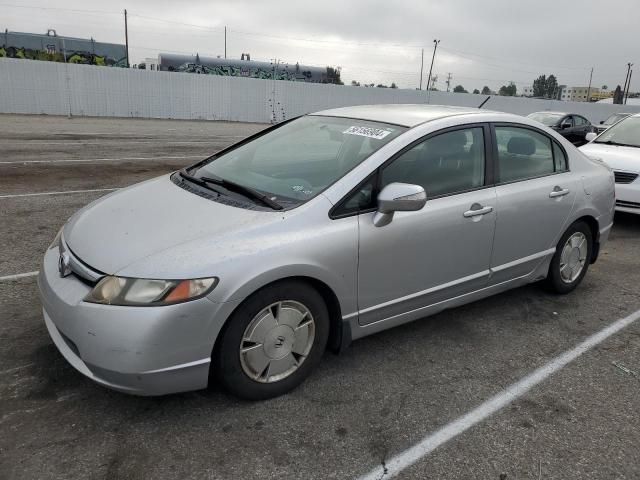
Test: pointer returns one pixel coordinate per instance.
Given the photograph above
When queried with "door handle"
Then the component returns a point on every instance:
(478, 210)
(559, 192)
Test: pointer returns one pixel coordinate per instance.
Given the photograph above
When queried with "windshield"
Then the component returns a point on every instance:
(614, 118)
(627, 133)
(298, 160)
(547, 119)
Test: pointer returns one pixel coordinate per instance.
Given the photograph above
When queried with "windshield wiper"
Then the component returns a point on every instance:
(183, 173)
(611, 142)
(246, 191)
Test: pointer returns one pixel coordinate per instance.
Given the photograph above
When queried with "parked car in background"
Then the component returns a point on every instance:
(571, 126)
(244, 267)
(619, 147)
(616, 117)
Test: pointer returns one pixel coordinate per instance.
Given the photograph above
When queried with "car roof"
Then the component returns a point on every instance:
(554, 113)
(407, 115)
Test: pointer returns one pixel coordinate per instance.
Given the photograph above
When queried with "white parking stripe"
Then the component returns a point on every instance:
(58, 193)
(405, 459)
(88, 160)
(9, 278)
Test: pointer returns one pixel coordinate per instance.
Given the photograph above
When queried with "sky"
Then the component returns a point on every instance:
(488, 42)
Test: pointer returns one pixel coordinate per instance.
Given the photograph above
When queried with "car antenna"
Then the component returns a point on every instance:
(485, 101)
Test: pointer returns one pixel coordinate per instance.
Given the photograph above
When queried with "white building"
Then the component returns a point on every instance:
(577, 94)
(527, 91)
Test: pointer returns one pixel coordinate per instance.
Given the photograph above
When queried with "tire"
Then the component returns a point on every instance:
(259, 354)
(570, 263)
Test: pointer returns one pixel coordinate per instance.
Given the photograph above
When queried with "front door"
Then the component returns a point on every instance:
(442, 251)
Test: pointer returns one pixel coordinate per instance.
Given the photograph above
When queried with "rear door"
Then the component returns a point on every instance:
(535, 195)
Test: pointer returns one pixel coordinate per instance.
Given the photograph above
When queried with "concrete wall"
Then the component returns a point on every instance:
(35, 87)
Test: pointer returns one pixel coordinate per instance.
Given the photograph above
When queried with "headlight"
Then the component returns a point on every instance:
(145, 292)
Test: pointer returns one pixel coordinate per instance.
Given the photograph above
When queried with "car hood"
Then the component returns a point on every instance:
(618, 158)
(155, 216)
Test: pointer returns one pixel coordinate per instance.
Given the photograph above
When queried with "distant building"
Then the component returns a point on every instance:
(53, 48)
(601, 95)
(244, 67)
(578, 94)
(527, 91)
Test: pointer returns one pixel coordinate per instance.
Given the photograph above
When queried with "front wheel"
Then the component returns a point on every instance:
(272, 341)
(571, 260)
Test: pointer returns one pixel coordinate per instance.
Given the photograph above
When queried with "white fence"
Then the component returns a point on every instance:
(37, 87)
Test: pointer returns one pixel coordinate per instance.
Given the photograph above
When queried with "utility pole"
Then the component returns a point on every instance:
(589, 88)
(448, 81)
(435, 47)
(225, 41)
(628, 87)
(626, 79)
(421, 67)
(126, 36)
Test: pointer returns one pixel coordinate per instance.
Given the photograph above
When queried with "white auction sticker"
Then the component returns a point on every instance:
(369, 132)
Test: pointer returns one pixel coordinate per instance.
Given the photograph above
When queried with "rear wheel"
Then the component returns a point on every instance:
(571, 260)
(272, 341)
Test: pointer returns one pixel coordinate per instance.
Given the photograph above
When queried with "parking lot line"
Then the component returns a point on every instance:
(8, 278)
(408, 457)
(88, 160)
(14, 195)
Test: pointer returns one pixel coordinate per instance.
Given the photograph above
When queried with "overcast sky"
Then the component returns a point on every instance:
(486, 42)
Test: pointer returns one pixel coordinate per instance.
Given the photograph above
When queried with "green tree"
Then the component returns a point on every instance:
(552, 86)
(476, 91)
(540, 86)
(459, 89)
(604, 87)
(508, 90)
(486, 90)
(545, 87)
(381, 86)
(393, 85)
(354, 83)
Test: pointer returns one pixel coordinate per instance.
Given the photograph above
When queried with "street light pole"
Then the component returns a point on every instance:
(435, 47)
(626, 79)
(126, 36)
(421, 67)
(628, 86)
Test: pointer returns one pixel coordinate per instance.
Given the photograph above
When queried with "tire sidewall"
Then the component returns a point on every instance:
(227, 367)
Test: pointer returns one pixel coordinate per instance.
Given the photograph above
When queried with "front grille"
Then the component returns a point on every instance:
(622, 203)
(625, 177)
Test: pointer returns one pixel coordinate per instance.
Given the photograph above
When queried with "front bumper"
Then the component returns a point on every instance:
(628, 197)
(138, 350)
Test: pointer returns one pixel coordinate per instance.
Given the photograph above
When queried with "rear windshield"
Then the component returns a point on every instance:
(298, 160)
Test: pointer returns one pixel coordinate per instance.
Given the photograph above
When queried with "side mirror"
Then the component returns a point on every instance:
(591, 136)
(601, 122)
(565, 125)
(398, 197)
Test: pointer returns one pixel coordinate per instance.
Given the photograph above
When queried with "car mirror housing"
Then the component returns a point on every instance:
(565, 125)
(398, 197)
(590, 137)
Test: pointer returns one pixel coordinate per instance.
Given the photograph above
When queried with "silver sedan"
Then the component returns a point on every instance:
(245, 267)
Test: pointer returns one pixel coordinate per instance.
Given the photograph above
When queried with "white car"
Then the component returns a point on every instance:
(619, 147)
